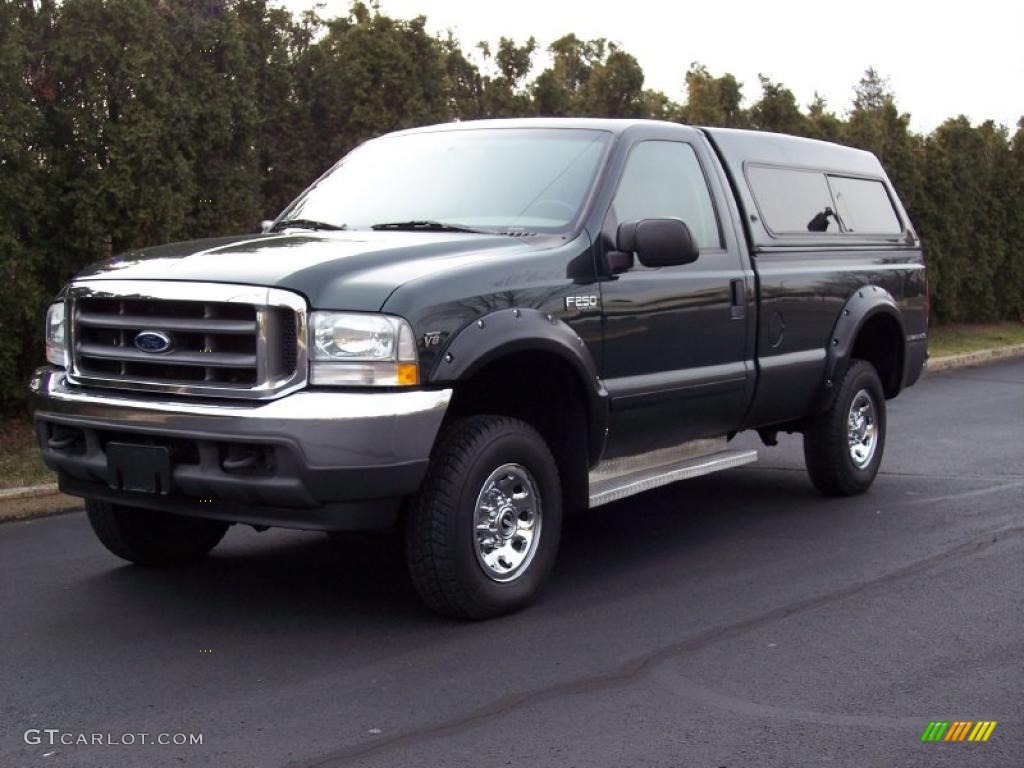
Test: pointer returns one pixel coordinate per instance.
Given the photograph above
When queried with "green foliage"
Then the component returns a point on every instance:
(364, 75)
(716, 101)
(22, 199)
(594, 77)
(504, 93)
(126, 123)
(973, 225)
(821, 122)
(777, 110)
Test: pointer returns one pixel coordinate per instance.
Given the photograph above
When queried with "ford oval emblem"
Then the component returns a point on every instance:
(154, 342)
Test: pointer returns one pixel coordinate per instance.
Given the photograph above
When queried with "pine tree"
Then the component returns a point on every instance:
(777, 110)
(715, 101)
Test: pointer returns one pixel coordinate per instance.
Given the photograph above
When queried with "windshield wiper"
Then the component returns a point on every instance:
(307, 224)
(425, 225)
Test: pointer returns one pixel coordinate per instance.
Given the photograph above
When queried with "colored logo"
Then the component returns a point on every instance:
(153, 341)
(958, 730)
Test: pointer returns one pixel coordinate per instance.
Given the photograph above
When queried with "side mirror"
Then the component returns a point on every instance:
(658, 242)
(265, 225)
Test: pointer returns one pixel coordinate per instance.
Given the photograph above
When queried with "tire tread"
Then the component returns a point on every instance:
(431, 562)
(123, 531)
(825, 455)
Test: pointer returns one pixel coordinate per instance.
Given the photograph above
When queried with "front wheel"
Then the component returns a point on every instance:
(482, 533)
(843, 446)
(147, 537)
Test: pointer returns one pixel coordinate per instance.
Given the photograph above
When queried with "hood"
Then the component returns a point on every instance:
(334, 270)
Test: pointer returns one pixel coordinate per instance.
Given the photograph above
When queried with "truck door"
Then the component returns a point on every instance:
(678, 357)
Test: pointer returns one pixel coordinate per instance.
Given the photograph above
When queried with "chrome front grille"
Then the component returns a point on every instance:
(221, 340)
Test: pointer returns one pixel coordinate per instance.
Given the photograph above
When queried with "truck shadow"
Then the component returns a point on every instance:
(693, 523)
(299, 599)
(313, 576)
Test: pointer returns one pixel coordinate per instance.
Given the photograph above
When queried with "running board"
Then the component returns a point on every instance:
(618, 478)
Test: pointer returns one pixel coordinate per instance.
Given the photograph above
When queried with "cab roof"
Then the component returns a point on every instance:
(609, 124)
(735, 145)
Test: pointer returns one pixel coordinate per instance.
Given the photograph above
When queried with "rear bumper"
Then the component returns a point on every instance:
(327, 459)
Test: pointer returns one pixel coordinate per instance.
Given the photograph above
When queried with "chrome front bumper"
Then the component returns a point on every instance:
(328, 448)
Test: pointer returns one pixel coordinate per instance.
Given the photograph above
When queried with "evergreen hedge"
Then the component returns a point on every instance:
(127, 123)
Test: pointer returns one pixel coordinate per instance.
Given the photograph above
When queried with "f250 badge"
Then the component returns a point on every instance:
(581, 302)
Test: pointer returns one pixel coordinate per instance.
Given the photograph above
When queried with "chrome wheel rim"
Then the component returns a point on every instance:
(507, 522)
(862, 429)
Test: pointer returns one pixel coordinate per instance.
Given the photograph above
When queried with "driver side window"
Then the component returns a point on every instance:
(664, 180)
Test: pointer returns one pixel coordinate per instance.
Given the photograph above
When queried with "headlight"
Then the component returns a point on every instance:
(350, 349)
(56, 347)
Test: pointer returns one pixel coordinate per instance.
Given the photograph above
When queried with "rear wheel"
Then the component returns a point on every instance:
(482, 534)
(843, 446)
(148, 537)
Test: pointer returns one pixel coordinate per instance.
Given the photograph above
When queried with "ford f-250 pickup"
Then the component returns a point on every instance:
(463, 330)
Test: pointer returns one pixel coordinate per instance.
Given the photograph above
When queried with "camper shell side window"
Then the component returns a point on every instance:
(798, 202)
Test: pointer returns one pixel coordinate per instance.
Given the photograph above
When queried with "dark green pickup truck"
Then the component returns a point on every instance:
(464, 330)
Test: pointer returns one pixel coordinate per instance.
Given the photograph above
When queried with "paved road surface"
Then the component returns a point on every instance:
(736, 620)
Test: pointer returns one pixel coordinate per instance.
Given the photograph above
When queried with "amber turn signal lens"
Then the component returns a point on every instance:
(407, 374)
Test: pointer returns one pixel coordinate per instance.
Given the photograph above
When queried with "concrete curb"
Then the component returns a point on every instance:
(978, 357)
(29, 505)
(35, 501)
(28, 492)
(42, 500)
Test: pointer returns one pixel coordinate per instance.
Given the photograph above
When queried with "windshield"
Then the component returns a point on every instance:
(533, 179)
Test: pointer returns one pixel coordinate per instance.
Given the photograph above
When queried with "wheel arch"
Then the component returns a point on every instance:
(870, 328)
(530, 365)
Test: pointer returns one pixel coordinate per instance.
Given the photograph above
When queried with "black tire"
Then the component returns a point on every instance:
(827, 449)
(440, 527)
(147, 537)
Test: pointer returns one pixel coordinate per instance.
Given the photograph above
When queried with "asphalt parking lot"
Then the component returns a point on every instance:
(735, 620)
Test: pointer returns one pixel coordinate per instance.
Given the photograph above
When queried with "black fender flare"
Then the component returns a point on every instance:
(507, 331)
(865, 303)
